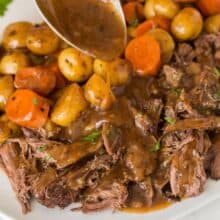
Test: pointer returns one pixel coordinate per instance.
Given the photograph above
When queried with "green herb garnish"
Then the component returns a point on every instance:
(4, 6)
(42, 148)
(176, 91)
(47, 157)
(92, 138)
(216, 71)
(217, 96)
(170, 120)
(134, 22)
(37, 60)
(156, 147)
(35, 100)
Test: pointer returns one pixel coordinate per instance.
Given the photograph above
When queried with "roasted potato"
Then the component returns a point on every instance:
(118, 71)
(99, 93)
(15, 34)
(74, 65)
(167, 43)
(69, 106)
(41, 40)
(6, 89)
(8, 129)
(166, 8)
(12, 62)
(212, 24)
(187, 24)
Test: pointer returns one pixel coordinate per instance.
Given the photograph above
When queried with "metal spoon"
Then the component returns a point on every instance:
(98, 32)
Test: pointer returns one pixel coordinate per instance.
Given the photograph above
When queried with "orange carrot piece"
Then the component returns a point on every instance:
(60, 79)
(208, 7)
(39, 79)
(154, 22)
(26, 108)
(144, 53)
(133, 11)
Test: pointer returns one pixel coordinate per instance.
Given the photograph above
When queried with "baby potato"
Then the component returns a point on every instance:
(99, 93)
(14, 61)
(69, 106)
(41, 40)
(166, 8)
(187, 24)
(118, 71)
(74, 65)
(212, 24)
(6, 89)
(166, 42)
(8, 129)
(15, 34)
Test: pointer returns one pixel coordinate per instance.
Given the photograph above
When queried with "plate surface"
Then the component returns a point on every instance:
(9, 207)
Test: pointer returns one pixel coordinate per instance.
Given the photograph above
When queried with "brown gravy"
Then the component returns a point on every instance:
(92, 25)
(156, 207)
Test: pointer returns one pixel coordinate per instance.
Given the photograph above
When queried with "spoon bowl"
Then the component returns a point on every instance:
(95, 27)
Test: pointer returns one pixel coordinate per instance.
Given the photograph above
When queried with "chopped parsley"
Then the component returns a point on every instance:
(92, 138)
(216, 71)
(42, 148)
(156, 147)
(47, 157)
(176, 91)
(4, 6)
(37, 60)
(170, 120)
(217, 96)
(134, 22)
(35, 100)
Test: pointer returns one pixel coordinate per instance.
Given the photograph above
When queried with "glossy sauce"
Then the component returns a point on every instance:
(92, 25)
(156, 207)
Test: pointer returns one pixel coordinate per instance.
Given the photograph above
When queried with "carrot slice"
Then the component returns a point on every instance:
(134, 12)
(39, 79)
(208, 7)
(154, 22)
(144, 53)
(26, 108)
(60, 79)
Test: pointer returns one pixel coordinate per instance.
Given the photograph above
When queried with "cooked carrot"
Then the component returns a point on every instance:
(154, 22)
(39, 79)
(26, 108)
(144, 53)
(60, 79)
(208, 7)
(134, 12)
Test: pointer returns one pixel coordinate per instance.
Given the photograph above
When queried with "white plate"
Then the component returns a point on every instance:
(9, 207)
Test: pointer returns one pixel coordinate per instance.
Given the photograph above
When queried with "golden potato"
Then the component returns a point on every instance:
(12, 62)
(74, 65)
(166, 8)
(212, 24)
(6, 89)
(15, 34)
(99, 93)
(69, 106)
(41, 40)
(166, 42)
(8, 129)
(187, 24)
(118, 71)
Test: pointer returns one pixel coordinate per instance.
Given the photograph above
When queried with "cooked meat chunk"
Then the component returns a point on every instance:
(141, 194)
(18, 168)
(187, 174)
(63, 155)
(111, 192)
(140, 159)
(213, 158)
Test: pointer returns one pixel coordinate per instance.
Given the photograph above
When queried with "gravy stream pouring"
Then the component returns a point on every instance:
(96, 27)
